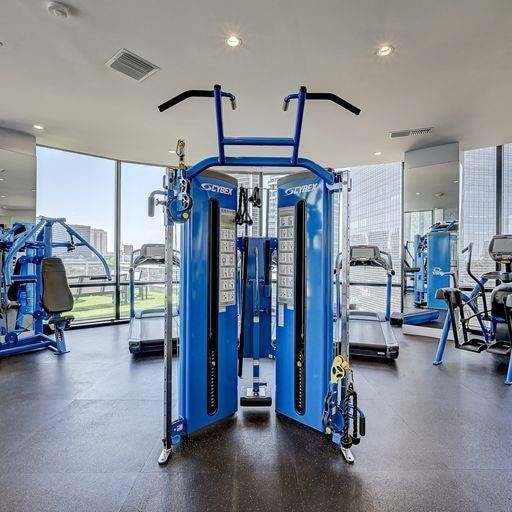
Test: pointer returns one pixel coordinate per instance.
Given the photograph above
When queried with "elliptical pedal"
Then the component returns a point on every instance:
(500, 348)
(473, 345)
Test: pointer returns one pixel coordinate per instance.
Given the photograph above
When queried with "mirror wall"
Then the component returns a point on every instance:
(430, 224)
(17, 177)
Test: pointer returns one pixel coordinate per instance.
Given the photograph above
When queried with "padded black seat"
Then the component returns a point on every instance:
(498, 297)
(57, 297)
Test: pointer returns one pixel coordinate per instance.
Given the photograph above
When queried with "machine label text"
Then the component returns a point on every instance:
(301, 189)
(219, 189)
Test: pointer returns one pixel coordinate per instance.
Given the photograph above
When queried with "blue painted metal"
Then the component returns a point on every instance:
(318, 323)
(421, 317)
(305, 163)
(389, 291)
(193, 313)
(262, 293)
(29, 249)
(438, 265)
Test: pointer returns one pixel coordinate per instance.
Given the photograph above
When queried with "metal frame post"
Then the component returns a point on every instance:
(168, 396)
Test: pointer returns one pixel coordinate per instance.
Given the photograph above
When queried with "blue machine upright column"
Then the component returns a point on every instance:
(304, 303)
(208, 323)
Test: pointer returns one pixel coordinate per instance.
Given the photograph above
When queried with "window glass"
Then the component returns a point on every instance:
(137, 228)
(375, 219)
(507, 188)
(81, 189)
(478, 221)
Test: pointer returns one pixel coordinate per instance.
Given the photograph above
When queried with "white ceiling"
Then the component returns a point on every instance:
(451, 70)
(18, 171)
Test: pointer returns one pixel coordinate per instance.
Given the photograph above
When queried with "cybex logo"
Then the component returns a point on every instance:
(219, 189)
(301, 189)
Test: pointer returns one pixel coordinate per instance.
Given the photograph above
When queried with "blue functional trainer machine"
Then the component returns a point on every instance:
(493, 330)
(435, 262)
(314, 380)
(435, 256)
(34, 282)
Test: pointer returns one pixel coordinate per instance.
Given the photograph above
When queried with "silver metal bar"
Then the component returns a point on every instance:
(168, 395)
(345, 263)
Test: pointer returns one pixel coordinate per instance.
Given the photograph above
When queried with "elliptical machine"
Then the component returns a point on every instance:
(494, 333)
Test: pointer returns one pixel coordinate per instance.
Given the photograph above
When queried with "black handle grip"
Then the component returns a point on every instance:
(335, 99)
(192, 93)
(98, 278)
(362, 425)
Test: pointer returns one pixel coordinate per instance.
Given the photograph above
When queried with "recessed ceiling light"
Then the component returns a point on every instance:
(172, 151)
(58, 9)
(33, 190)
(233, 41)
(418, 193)
(38, 127)
(377, 153)
(3, 196)
(385, 50)
(2, 179)
(455, 181)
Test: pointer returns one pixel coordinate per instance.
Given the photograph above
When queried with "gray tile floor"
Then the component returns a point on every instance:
(82, 432)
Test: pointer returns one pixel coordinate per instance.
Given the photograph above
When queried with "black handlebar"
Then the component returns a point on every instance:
(329, 96)
(98, 278)
(194, 93)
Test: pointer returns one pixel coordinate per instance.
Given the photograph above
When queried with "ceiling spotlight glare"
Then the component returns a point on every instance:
(377, 153)
(455, 181)
(58, 9)
(233, 41)
(385, 50)
(418, 193)
(172, 151)
(38, 126)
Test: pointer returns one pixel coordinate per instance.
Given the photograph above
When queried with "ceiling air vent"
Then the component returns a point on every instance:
(132, 65)
(414, 131)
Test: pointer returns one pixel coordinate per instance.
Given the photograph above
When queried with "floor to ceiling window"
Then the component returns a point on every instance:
(81, 189)
(375, 219)
(478, 201)
(507, 188)
(137, 229)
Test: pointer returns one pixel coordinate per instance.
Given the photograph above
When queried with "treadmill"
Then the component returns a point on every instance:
(147, 325)
(370, 333)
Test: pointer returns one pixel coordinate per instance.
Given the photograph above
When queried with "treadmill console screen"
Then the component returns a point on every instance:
(364, 253)
(153, 251)
(500, 248)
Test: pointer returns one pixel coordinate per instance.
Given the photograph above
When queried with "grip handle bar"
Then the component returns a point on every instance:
(196, 93)
(99, 278)
(329, 96)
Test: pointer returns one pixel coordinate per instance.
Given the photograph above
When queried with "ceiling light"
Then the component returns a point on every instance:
(2, 179)
(455, 181)
(172, 151)
(439, 194)
(385, 50)
(3, 196)
(33, 190)
(418, 193)
(38, 127)
(58, 9)
(377, 153)
(233, 41)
